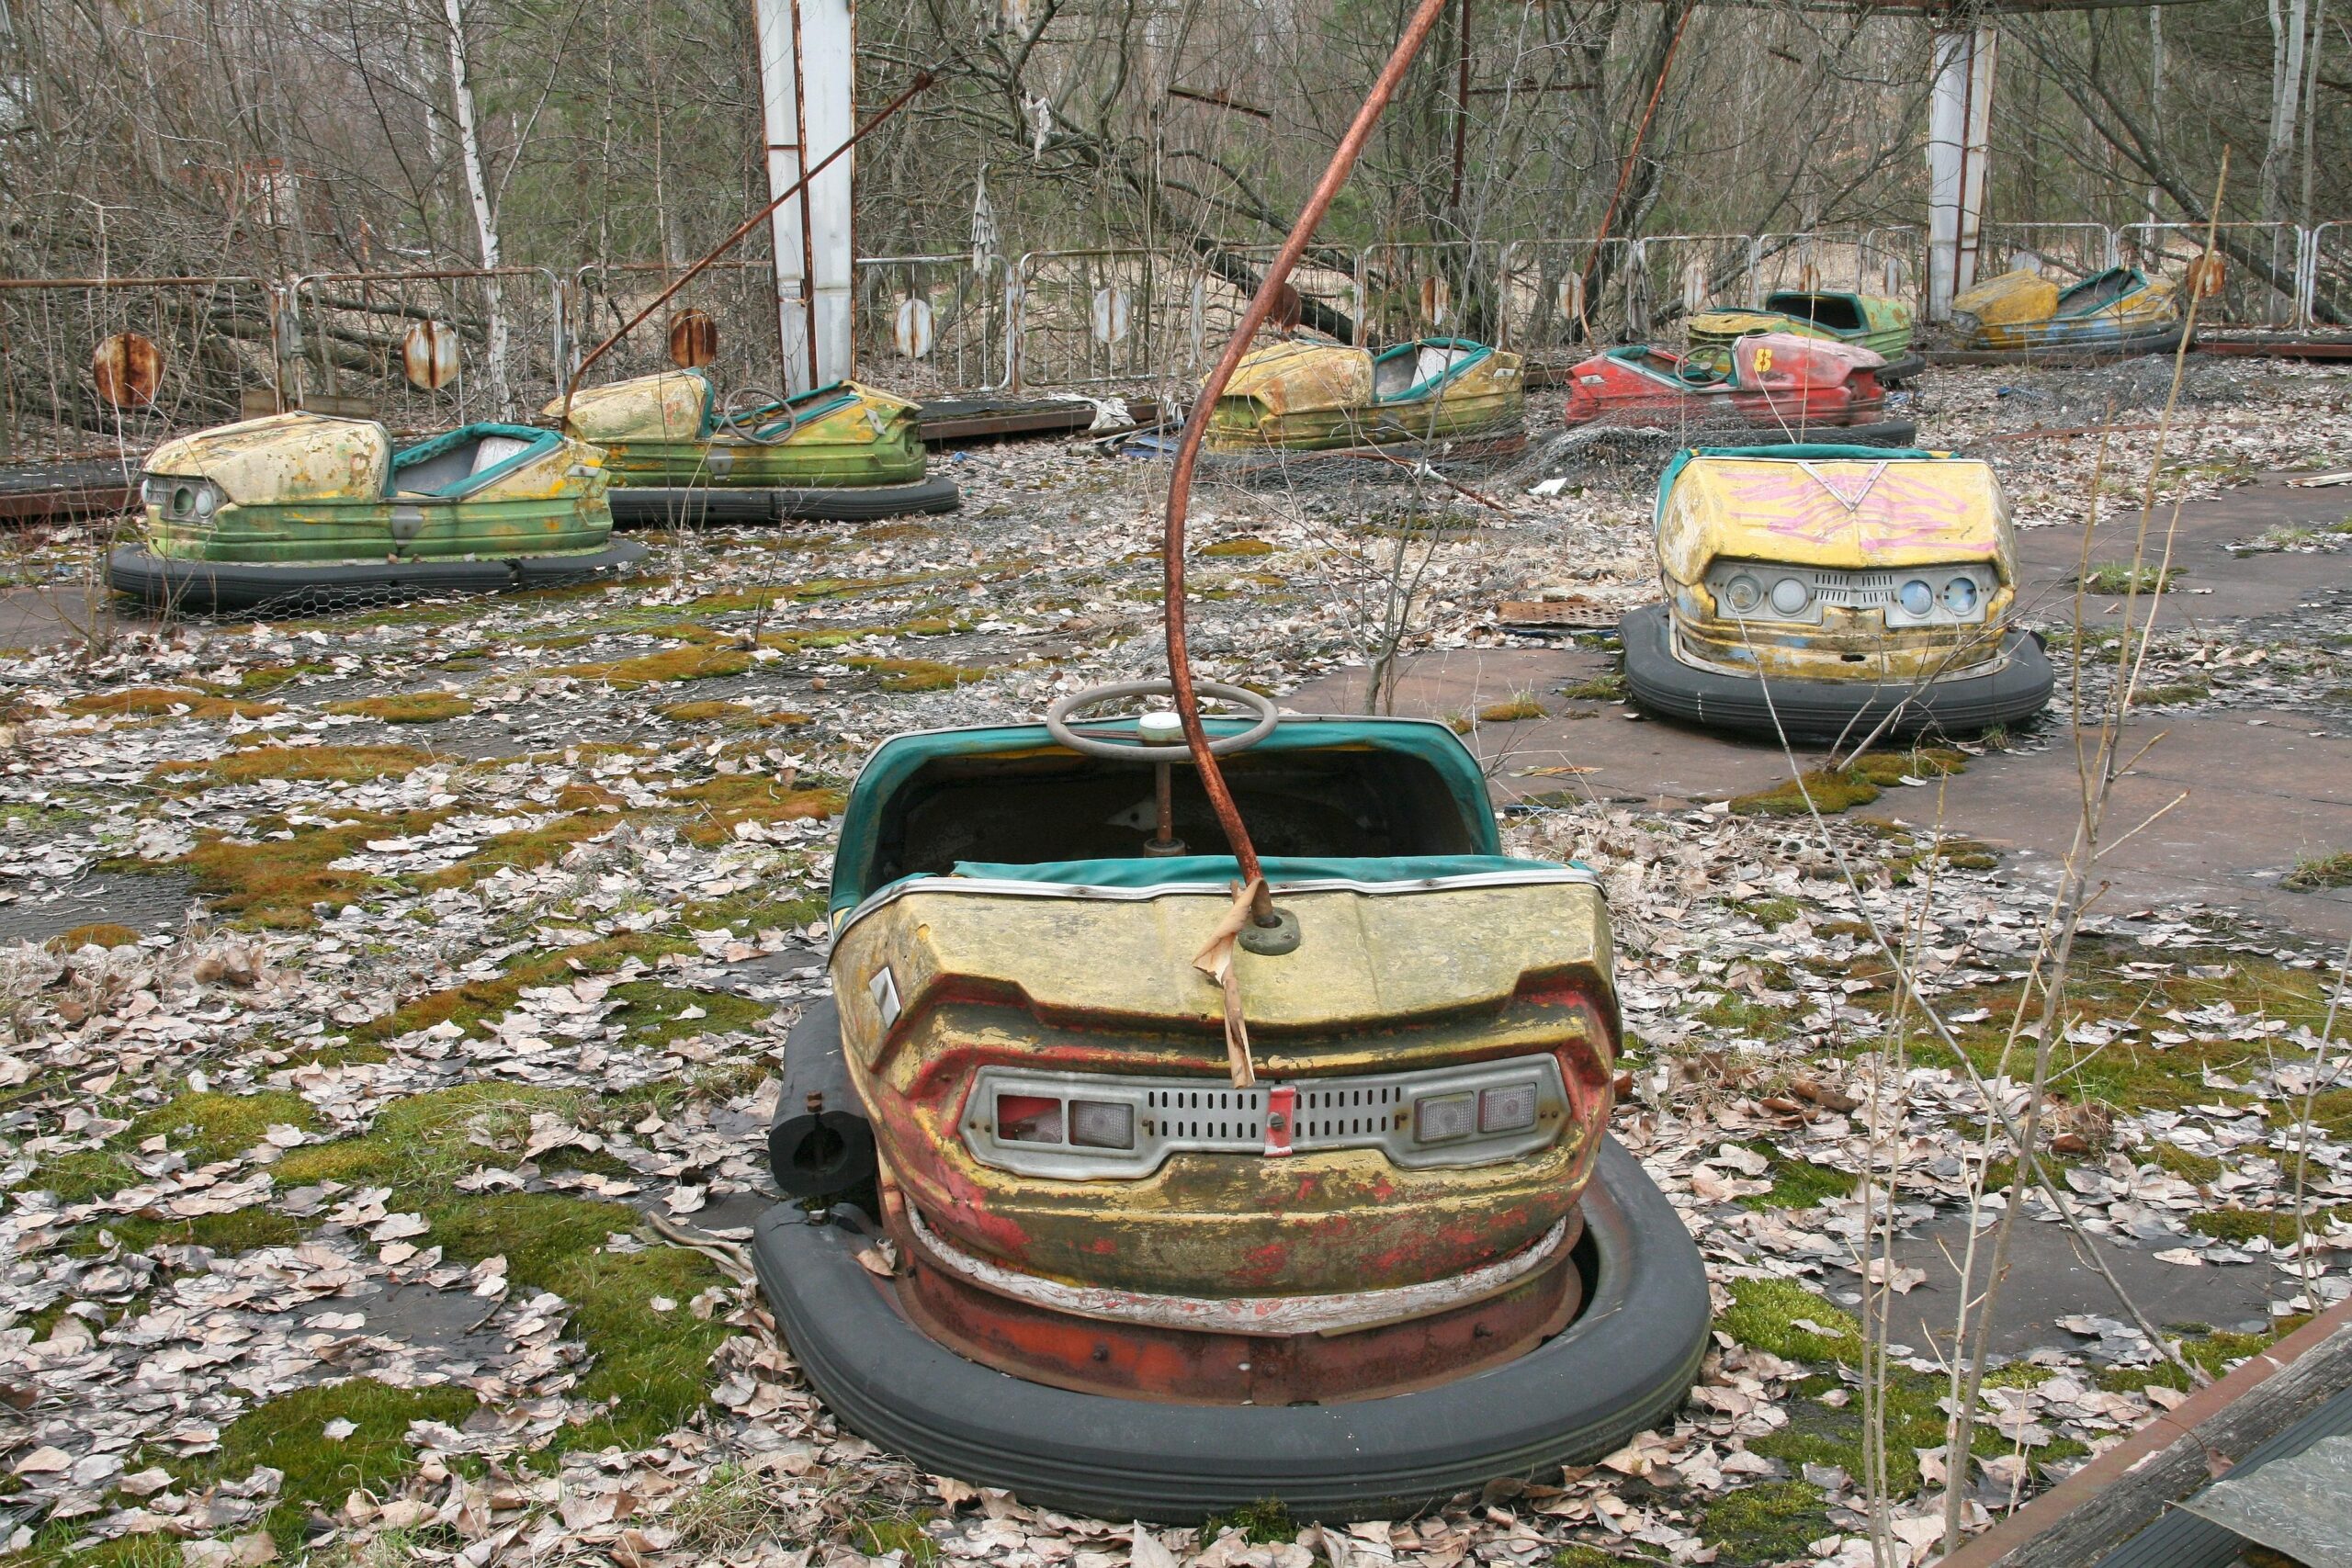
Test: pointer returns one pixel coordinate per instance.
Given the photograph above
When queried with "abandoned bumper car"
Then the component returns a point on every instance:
(1770, 387)
(2117, 313)
(1055, 1231)
(1833, 594)
(304, 510)
(1859, 320)
(1422, 400)
(678, 453)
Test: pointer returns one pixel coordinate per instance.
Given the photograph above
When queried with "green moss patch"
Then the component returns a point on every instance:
(735, 716)
(299, 764)
(650, 1364)
(1226, 549)
(2275, 1226)
(1771, 1523)
(2198, 1169)
(694, 661)
(2212, 1353)
(231, 1234)
(409, 707)
(1764, 1315)
(103, 933)
(521, 850)
(275, 884)
(288, 1433)
(1767, 1314)
(2103, 984)
(1265, 1522)
(884, 1531)
(477, 1002)
(1511, 712)
(160, 701)
(723, 802)
(652, 1013)
(1836, 790)
(205, 1128)
(920, 674)
(421, 1143)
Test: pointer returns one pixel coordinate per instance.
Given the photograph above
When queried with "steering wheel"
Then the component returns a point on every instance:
(1704, 365)
(732, 418)
(1057, 721)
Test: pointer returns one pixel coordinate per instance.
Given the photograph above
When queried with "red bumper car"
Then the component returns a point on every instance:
(1769, 388)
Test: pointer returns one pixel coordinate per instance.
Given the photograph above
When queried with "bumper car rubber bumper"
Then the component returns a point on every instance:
(211, 587)
(663, 506)
(1878, 433)
(1815, 712)
(1625, 1363)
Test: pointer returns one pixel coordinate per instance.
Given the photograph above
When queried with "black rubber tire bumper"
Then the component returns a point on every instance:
(1894, 372)
(1880, 432)
(209, 587)
(1820, 712)
(1624, 1364)
(651, 506)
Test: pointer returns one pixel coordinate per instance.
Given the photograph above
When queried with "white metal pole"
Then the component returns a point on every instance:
(807, 97)
(1959, 114)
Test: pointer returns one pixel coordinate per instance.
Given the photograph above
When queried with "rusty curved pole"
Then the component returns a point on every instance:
(1188, 450)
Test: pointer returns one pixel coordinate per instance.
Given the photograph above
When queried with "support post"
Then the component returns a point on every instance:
(807, 99)
(1959, 114)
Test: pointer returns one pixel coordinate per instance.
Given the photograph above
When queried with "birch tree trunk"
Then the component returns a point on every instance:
(485, 217)
(2289, 29)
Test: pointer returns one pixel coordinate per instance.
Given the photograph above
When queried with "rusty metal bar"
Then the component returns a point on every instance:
(1196, 424)
(122, 282)
(923, 79)
(1658, 90)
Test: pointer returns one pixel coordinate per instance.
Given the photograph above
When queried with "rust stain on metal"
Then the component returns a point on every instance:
(128, 371)
(429, 355)
(693, 339)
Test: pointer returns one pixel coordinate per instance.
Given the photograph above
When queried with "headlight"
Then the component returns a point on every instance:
(1508, 1109)
(1102, 1124)
(1790, 595)
(1028, 1119)
(183, 501)
(1743, 593)
(1916, 597)
(206, 502)
(1960, 595)
(1442, 1118)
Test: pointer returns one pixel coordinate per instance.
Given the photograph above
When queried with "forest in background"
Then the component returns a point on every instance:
(281, 137)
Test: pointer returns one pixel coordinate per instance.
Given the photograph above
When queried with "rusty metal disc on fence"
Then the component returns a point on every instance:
(1110, 315)
(693, 340)
(2205, 274)
(128, 371)
(1571, 298)
(429, 355)
(1435, 295)
(912, 328)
